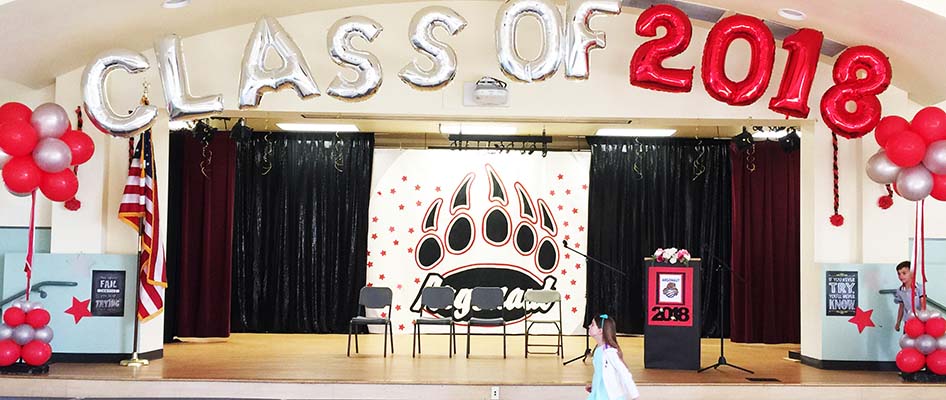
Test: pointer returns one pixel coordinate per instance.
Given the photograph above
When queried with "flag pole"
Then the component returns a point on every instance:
(134, 361)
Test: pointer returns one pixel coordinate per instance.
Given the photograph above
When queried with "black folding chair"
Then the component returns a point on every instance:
(435, 298)
(486, 300)
(373, 297)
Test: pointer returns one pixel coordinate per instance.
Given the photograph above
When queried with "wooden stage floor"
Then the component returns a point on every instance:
(315, 366)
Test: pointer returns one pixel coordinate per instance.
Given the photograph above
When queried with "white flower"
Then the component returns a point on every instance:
(673, 260)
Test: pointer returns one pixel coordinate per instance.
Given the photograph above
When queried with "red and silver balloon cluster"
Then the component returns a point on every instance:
(37, 149)
(923, 344)
(24, 334)
(913, 155)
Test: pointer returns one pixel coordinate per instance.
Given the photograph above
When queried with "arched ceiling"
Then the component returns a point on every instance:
(43, 39)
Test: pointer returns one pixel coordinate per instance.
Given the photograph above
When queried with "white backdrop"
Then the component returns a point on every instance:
(429, 227)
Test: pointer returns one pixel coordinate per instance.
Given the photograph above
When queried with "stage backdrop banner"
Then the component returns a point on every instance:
(475, 218)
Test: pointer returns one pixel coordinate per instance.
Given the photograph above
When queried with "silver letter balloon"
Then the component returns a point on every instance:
(365, 64)
(181, 104)
(95, 94)
(421, 35)
(256, 79)
(507, 21)
(579, 38)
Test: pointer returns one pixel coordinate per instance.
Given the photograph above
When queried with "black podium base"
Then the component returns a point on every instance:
(923, 377)
(23, 369)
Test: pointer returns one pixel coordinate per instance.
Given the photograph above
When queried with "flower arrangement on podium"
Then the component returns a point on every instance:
(672, 255)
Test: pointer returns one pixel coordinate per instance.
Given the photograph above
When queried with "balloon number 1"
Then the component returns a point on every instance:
(803, 49)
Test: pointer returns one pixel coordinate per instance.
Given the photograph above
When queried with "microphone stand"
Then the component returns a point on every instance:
(584, 356)
(720, 267)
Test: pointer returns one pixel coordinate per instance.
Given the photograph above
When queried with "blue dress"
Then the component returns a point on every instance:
(598, 390)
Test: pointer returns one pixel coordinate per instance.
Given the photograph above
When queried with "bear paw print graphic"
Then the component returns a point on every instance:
(451, 229)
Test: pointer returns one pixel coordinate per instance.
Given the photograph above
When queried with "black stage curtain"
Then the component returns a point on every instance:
(646, 194)
(300, 231)
(766, 249)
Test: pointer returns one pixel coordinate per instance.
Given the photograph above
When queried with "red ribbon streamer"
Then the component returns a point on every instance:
(28, 268)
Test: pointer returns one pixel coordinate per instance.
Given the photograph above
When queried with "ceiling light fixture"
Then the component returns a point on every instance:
(297, 127)
(478, 129)
(631, 132)
(791, 14)
(770, 134)
(175, 3)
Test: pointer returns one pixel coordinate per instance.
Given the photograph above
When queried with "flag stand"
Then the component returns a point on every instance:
(134, 361)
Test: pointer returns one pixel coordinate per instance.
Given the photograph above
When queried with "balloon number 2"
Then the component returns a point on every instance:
(646, 69)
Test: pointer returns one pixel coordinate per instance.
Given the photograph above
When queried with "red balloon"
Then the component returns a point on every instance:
(910, 360)
(862, 92)
(36, 353)
(81, 145)
(37, 318)
(14, 111)
(60, 186)
(18, 138)
(889, 127)
(760, 39)
(804, 48)
(9, 352)
(936, 327)
(906, 149)
(21, 175)
(939, 187)
(14, 317)
(930, 123)
(936, 362)
(646, 69)
(914, 328)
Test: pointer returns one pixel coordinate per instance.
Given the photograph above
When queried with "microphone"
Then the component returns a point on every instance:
(565, 243)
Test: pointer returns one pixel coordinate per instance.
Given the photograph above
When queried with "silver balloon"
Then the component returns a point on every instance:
(881, 170)
(421, 35)
(44, 334)
(365, 64)
(923, 315)
(52, 155)
(33, 305)
(935, 314)
(6, 331)
(507, 21)
(935, 159)
(915, 183)
(23, 334)
(95, 94)
(926, 344)
(941, 342)
(579, 38)
(181, 104)
(256, 79)
(4, 157)
(907, 342)
(18, 304)
(50, 120)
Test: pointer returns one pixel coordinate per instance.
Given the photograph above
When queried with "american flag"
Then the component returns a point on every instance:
(139, 208)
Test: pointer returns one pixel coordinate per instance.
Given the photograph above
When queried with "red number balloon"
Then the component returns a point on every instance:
(761, 42)
(646, 69)
(803, 49)
(862, 91)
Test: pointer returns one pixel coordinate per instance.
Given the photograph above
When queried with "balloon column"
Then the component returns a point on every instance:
(37, 149)
(923, 344)
(913, 155)
(25, 334)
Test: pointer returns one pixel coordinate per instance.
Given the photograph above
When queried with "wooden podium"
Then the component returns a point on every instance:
(672, 315)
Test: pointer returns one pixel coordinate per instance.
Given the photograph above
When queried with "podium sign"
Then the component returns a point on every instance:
(672, 326)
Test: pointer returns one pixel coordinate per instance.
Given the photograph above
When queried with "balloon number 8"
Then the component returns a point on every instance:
(862, 92)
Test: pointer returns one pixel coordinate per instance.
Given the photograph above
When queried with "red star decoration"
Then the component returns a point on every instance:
(370, 264)
(577, 246)
(398, 307)
(568, 237)
(410, 250)
(393, 191)
(574, 211)
(573, 282)
(568, 297)
(560, 176)
(862, 319)
(396, 242)
(383, 253)
(581, 228)
(574, 310)
(416, 280)
(551, 193)
(374, 219)
(568, 191)
(400, 207)
(384, 314)
(411, 230)
(564, 271)
(437, 189)
(79, 309)
(565, 224)
(416, 187)
(399, 286)
(369, 253)
(577, 265)
(381, 277)
(400, 327)
(391, 229)
(374, 235)
(379, 193)
(418, 203)
(560, 208)
(370, 284)
(568, 256)
(585, 187)
(403, 179)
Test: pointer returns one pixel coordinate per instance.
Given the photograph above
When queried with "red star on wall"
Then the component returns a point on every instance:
(374, 236)
(396, 243)
(585, 187)
(374, 219)
(560, 208)
(410, 250)
(581, 229)
(393, 191)
(416, 187)
(568, 237)
(437, 189)
(568, 297)
(379, 193)
(573, 282)
(370, 284)
(568, 256)
(370, 264)
(381, 277)
(411, 230)
(574, 211)
(384, 314)
(399, 286)
(398, 307)
(79, 309)
(578, 266)
(391, 229)
(564, 271)
(551, 193)
(862, 319)
(383, 253)
(560, 176)
(369, 253)
(400, 327)
(568, 191)
(565, 224)
(574, 310)
(400, 207)
(418, 203)
(403, 179)
(416, 280)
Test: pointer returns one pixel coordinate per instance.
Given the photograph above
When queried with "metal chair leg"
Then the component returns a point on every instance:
(414, 342)
(527, 338)
(356, 340)
(391, 326)
(385, 340)
(504, 340)
(451, 342)
(467, 340)
(349, 339)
